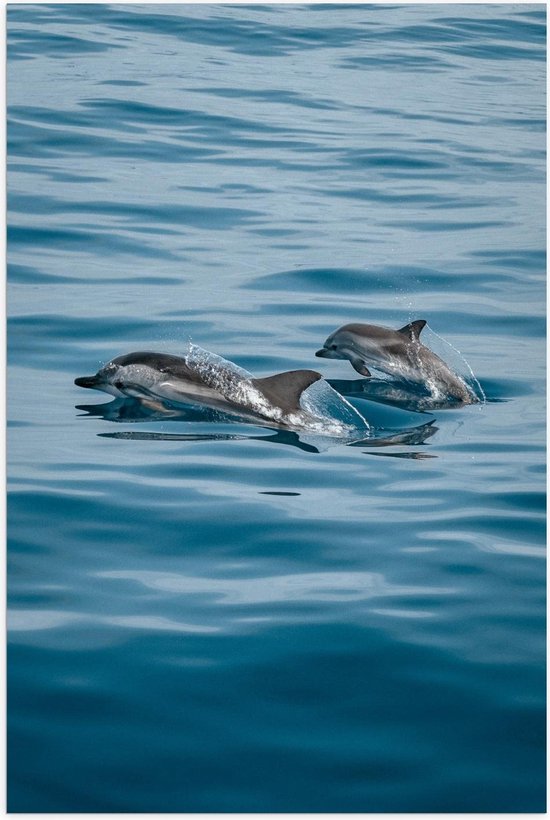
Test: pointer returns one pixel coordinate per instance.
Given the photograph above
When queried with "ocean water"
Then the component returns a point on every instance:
(211, 615)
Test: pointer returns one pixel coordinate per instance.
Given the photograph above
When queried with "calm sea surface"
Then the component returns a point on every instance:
(218, 617)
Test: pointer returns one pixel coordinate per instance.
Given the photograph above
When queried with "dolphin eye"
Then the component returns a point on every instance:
(119, 384)
(333, 347)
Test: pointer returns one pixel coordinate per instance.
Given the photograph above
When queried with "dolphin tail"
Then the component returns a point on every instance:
(413, 329)
(284, 389)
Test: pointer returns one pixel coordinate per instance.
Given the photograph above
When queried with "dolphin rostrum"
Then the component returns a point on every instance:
(205, 379)
(398, 353)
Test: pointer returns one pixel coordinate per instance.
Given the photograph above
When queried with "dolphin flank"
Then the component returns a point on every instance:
(398, 353)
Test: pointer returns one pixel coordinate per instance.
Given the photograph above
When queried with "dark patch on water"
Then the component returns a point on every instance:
(276, 492)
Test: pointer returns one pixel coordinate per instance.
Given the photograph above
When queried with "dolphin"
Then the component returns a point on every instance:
(177, 379)
(398, 353)
(205, 379)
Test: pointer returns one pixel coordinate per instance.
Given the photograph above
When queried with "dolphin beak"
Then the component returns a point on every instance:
(323, 353)
(87, 381)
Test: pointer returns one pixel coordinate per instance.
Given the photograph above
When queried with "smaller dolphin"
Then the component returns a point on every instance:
(398, 353)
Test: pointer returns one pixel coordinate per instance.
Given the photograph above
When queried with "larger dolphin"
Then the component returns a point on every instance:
(398, 353)
(162, 375)
(206, 379)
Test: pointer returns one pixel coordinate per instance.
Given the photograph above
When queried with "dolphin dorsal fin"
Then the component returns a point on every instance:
(413, 329)
(284, 389)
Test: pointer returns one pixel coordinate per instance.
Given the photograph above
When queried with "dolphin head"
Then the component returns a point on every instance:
(342, 345)
(110, 379)
(122, 376)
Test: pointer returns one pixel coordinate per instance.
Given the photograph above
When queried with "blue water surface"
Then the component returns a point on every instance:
(213, 616)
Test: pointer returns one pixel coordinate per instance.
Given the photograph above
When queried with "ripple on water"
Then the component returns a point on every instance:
(212, 616)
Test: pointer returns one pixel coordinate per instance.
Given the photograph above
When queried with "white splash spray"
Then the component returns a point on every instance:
(478, 392)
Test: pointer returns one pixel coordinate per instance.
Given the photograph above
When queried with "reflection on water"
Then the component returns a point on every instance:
(405, 455)
(134, 409)
(143, 410)
(33, 620)
(275, 598)
(282, 437)
(396, 393)
(296, 588)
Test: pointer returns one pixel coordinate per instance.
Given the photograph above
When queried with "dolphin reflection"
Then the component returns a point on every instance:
(136, 410)
(392, 392)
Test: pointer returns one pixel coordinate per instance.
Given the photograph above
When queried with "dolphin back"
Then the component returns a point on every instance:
(164, 363)
(285, 389)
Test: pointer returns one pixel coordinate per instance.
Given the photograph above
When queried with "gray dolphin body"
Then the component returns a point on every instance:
(191, 380)
(398, 353)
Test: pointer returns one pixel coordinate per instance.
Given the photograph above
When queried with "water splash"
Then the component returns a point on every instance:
(475, 385)
(336, 413)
